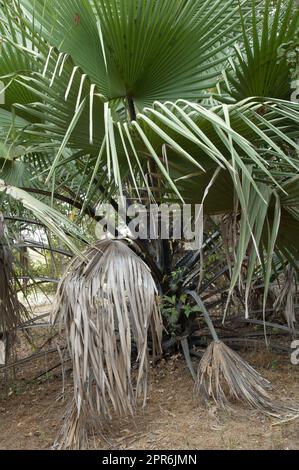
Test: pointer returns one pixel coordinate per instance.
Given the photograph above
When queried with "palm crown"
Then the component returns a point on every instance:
(103, 88)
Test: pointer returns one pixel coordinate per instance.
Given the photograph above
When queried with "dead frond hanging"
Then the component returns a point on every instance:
(105, 302)
(12, 311)
(285, 299)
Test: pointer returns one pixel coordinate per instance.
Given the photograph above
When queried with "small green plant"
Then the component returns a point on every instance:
(185, 306)
(169, 309)
(274, 364)
(175, 305)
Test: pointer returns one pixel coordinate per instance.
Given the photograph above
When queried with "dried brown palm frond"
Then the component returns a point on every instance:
(223, 372)
(74, 432)
(285, 298)
(223, 375)
(105, 301)
(12, 311)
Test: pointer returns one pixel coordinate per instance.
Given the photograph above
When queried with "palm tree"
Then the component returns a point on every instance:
(181, 100)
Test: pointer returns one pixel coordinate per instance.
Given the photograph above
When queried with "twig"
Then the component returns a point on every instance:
(49, 370)
(285, 421)
(28, 358)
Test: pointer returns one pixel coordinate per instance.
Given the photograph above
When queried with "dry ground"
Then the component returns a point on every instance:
(31, 411)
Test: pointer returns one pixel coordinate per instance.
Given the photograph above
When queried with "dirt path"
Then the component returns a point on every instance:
(30, 416)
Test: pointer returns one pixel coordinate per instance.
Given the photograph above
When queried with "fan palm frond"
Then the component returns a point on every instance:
(51, 218)
(258, 67)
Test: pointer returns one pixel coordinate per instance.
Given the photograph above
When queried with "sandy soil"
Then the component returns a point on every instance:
(31, 411)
